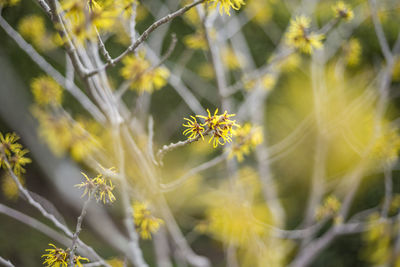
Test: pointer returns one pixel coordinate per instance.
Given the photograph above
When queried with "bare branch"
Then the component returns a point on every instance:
(143, 37)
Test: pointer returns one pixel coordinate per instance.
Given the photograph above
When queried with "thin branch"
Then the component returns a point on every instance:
(35, 224)
(5, 262)
(388, 192)
(46, 67)
(48, 215)
(143, 37)
(168, 148)
(78, 230)
(126, 84)
(379, 32)
(206, 165)
(137, 255)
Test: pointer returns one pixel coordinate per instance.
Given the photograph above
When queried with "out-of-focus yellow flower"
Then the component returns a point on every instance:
(226, 5)
(259, 11)
(206, 71)
(46, 91)
(144, 78)
(343, 11)
(145, 222)
(33, 29)
(235, 213)
(196, 41)
(330, 207)
(8, 2)
(300, 37)
(396, 70)
(352, 52)
(63, 135)
(268, 81)
(232, 60)
(377, 241)
(116, 262)
(9, 187)
(246, 139)
(290, 63)
(386, 146)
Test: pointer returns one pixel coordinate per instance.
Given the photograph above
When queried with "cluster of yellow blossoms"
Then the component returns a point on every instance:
(145, 222)
(58, 257)
(329, 208)
(246, 139)
(12, 154)
(343, 11)
(142, 76)
(226, 5)
(98, 186)
(221, 127)
(300, 37)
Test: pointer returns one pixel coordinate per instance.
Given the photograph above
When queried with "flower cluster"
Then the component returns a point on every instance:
(98, 186)
(246, 139)
(63, 134)
(33, 29)
(329, 208)
(226, 5)
(12, 154)
(58, 257)
(46, 91)
(220, 127)
(146, 223)
(343, 11)
(142, 76)
(300, 37)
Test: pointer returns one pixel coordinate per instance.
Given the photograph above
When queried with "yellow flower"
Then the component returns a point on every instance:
(352, 52)
(298, 35)
(9, 187)
(246, 139)
(12, 155)
(232, 60)
(194, 128)
(343, 11)
(146, 223)
(143, 78)
(396, 70)
(58, 257)
(219, 126)
(196, 41)
(46, 91)
(330, 207)
(99, 187)
(226, 5)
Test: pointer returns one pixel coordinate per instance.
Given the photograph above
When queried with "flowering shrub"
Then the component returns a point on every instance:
(235, 132)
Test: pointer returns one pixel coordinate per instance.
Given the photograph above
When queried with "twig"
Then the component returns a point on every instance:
(125, 85)
(168, 148)
(48, 215)
(175, 184)
(78, 230)
(379, 32)
(388, 191)
(137, 255)
(5, 262)
(35, 224)
(143, 37)
(46, 67)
